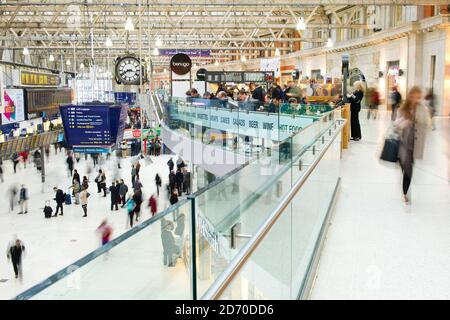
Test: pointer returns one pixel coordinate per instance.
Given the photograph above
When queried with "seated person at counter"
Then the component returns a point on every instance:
(223, 98)
(246, 101)
(274, 105)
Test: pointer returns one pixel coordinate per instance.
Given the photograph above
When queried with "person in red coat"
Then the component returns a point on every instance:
(152, 203)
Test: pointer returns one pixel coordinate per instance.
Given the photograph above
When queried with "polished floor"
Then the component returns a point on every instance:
(52, 244)
(377, 246)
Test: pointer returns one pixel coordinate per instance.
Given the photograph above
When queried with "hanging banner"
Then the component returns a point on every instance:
(13, 109)
(189, 52)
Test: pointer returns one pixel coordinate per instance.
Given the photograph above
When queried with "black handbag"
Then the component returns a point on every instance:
(390, 150)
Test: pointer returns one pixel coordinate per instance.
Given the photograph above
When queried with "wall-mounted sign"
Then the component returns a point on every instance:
(189, 52)
(35, 79)
(14, 106)
(201, 74)
(180, 64)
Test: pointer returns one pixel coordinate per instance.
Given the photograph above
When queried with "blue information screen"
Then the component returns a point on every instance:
(86, 125)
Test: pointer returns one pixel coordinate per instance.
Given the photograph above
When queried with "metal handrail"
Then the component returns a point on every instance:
(227, 276)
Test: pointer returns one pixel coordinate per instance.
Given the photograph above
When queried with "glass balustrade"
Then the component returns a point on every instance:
(228, 213)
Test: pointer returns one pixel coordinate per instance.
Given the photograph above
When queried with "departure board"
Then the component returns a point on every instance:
(86, 125)
(238, 76)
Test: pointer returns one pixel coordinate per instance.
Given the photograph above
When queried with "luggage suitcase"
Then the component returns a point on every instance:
(68, 199)
(48, 210)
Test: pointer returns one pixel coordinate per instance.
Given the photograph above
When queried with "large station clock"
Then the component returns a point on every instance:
(128, 70)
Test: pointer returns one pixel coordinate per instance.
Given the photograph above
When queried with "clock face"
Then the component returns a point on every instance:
(128, 70)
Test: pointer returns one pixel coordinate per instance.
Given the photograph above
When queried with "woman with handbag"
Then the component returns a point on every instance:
(412, 123)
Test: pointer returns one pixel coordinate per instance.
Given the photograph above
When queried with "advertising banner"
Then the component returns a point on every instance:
(13, 109)
(256, 124)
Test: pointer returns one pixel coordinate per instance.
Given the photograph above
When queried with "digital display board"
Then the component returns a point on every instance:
(93, 125)
(239, 76)
(86, 124)
(28, 78)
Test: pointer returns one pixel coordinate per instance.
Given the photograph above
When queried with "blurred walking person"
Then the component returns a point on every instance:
(12, 197)
(374, 102)
(105, 231)
(412, 123)
(430, 100)
(158, 183)
(395, 100)
(153, 204)
(1, 171)
(23, 199)
(15, 252)
(84, 195)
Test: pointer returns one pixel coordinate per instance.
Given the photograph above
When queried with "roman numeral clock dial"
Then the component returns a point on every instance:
(128, 69)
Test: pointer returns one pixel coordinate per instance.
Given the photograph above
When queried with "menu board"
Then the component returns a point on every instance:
(238, 76)
(86, 125)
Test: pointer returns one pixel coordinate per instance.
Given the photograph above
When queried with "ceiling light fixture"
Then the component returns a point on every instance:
(26, 51)
(51, 58)
(158, 42)
(243, 59)
(277, 52)
(129, 26)
(301, 25)
(156, 52)
(108, 42)
(82, 65)
(68, 62)
(216, 63)
(329, 43)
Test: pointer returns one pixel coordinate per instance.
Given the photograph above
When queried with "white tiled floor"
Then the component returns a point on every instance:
(53, 244)
(378, 247)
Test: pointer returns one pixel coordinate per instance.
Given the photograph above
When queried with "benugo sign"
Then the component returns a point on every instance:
(256, 124)
(180, 64)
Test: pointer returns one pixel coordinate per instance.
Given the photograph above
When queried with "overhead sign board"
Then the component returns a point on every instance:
(93, 125)
(35, 79)
(189, 52)
(239, 76)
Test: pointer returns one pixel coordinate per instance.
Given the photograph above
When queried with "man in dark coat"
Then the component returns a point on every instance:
(171, 181)
(70, 164)
(15, 251)
(170, 164)
(123, 190)
(76, 177)
(179, 181)
(59, 198)
(114, 191)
